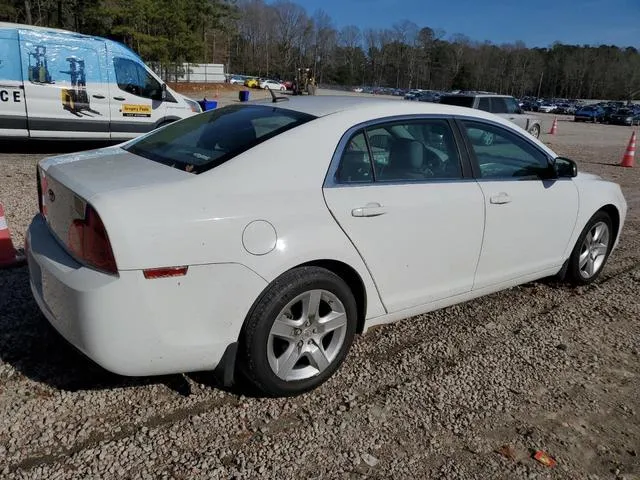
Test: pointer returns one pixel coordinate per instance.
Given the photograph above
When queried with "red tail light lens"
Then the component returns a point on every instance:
(165, 272)
(88, 240)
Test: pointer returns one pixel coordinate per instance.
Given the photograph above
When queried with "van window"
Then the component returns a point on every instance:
(133, 78)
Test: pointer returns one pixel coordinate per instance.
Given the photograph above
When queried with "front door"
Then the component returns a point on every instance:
(65, 85)
(136, 99)
(400, 195)
(529, 220)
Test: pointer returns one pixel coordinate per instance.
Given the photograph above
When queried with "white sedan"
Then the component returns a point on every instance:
(260, 238)
(272, 85)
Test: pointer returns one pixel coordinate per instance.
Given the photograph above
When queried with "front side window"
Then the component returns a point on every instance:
(133, 78)
(202, 142)
(502, 154)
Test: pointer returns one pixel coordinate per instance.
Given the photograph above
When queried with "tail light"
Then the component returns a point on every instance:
(88, 240)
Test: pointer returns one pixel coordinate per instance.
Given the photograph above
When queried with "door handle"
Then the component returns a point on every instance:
(120, 99)
(500, 199)
(373, 209)
(99, 97)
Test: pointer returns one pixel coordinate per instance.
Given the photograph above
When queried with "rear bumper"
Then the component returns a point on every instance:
(133, 326)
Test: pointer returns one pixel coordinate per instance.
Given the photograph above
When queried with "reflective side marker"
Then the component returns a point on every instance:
(164, 272)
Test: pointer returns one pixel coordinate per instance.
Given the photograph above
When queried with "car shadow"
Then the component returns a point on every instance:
(36, 350)
(52, 147)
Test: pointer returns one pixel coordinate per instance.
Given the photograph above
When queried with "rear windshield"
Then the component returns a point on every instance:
(460, 101)
(204, 141)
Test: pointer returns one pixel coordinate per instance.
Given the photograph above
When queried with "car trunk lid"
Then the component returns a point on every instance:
(68, 182)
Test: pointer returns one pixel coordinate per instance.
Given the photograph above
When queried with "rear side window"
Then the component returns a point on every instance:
(204, 141)
(457, 100)
(419, 150)
(484, 104)
(133, 78)
(499, 105)
(355, 164)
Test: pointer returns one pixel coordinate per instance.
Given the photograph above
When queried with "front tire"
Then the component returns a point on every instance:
(591, 251)
(298, 332)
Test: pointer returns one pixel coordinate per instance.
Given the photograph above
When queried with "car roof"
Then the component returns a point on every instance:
(41, 29)
(322, 105)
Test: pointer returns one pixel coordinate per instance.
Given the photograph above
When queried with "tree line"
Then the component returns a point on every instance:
(273, 39)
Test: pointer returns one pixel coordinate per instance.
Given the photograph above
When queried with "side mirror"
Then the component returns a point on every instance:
(163, 94)
(565, 167)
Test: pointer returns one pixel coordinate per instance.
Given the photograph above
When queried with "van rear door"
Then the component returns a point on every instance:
(13, 114)
(65, 85)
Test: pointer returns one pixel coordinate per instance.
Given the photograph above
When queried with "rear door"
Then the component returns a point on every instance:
(400, 192)
(65, 85)
(13, 114)
(136, 97)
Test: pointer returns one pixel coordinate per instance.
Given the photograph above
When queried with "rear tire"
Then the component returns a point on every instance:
(298, 332)
(591, 251)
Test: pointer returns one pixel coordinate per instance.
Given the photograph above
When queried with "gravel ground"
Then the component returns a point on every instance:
(541, 366)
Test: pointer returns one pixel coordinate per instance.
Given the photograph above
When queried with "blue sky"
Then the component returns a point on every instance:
(538, 23)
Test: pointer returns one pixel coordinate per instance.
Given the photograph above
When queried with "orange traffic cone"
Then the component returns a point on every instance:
(554, 127)
(630, 153)
(9, 256)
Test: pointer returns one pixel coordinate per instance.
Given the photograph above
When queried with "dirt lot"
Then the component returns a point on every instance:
(542, 366)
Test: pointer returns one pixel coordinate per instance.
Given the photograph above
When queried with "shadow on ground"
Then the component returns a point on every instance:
(33, 347)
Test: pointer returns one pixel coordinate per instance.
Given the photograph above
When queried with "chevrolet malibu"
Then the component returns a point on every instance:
(260, 238)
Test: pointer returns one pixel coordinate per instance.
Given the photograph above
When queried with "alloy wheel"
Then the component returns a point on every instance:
(594, 249)
(307, 335)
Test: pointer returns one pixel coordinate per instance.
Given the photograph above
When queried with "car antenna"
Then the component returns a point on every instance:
(276, 99)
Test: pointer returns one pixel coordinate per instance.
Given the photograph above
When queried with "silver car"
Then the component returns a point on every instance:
(502, 105)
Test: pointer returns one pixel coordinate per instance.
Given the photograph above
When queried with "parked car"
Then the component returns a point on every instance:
(565, 109)
(607, 112)
(625, 116)
(547, 107)
(237, 80)
(272, 85)
(591, 113)
(358, 89)
(252, 82)
(505, 106)
(208, 243)
(411, 94)
(56, 84)
(428, 96)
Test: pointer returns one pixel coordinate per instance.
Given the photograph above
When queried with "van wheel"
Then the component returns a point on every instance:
(298, 333)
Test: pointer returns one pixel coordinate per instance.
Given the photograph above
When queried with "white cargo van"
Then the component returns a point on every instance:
(62, 85)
